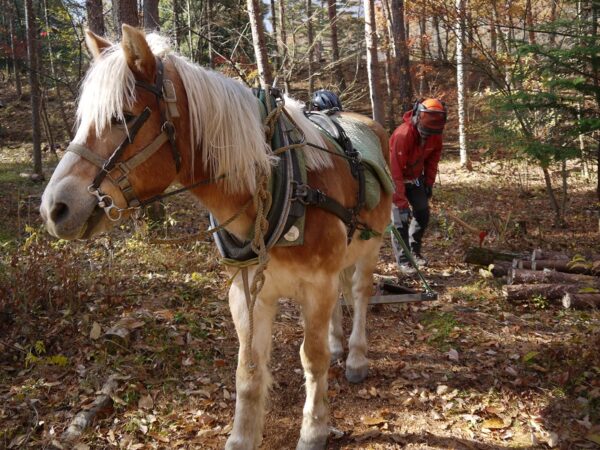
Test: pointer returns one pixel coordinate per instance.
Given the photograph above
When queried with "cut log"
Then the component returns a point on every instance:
(485, 257)
(500, 268)
(581, 301)
(555, 264)
(538, 253)
(523, 276)
(519, 292)
(84, 419)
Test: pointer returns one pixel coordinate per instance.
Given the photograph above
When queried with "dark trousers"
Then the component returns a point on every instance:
(413, 234)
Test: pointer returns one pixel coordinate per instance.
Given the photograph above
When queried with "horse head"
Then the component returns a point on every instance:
(124, 151)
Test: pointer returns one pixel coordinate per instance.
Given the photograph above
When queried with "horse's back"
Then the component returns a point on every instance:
(375, 127)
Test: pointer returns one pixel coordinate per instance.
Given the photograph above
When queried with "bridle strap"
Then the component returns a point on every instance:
(112, 160)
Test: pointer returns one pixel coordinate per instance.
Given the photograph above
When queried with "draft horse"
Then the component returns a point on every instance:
(139, 107)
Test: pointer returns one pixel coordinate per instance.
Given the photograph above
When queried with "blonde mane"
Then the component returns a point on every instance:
(225, 124)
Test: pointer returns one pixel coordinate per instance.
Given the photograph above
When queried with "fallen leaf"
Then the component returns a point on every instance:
(373, 421)
(495, 423)
(96, 331)
(452, 355)
(145, 402)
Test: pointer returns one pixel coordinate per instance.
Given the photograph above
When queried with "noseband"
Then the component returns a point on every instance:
(118, 171)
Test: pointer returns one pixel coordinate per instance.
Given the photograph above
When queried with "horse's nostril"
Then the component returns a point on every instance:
(59, 212)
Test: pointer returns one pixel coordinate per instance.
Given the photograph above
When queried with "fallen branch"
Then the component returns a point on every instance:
(85, 418)
(523, 276)
(581, 301)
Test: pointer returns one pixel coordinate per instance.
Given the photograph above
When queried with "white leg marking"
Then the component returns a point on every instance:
(251, 385)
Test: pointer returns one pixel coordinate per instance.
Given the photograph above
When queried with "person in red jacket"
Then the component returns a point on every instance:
(415, 151)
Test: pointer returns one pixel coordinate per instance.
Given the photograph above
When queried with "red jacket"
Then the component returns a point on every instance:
(409, 160)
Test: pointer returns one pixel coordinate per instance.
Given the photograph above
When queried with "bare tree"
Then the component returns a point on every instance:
(460, 80)
(282, 45)
(335, 49)
(13, 52)
(311, 47)
(34, 81)
(400, 48)
(95, 16)
(373, 62)
(258, 39)
(151, 15)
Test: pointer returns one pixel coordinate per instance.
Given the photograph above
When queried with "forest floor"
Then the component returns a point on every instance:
(469, 371)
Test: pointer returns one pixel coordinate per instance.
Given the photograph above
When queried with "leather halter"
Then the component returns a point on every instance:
(118, 171)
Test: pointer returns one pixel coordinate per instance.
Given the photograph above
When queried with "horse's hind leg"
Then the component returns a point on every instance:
(252, 383)
(317, 308)
(357, 364)
(336, 332)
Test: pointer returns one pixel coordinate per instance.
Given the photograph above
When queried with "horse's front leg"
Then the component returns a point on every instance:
(317, 309)
(252, 377)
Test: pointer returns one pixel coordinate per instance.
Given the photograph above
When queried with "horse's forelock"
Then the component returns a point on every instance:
(109, 87)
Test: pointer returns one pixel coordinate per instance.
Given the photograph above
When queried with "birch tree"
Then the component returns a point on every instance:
(373, 62)
(460, 81)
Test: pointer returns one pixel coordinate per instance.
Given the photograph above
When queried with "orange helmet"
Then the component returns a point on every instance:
(429, 116)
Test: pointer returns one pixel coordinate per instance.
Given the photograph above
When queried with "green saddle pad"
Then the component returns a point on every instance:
(377, 173)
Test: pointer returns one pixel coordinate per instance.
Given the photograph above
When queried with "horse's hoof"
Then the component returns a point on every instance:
(237, 444)
(357, 375)
(337, 356)
(317, 444)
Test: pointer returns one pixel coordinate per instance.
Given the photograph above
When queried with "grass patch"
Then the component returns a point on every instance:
(441, 327)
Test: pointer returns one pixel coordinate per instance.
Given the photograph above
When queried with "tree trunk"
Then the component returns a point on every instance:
(581, 301)
(529, 21)
(402, 61)
(311, 50)
(552, 197)
(391, 113)
(258, 39)
(177, 24)
(126, 12)
(460, 81)
(32, 53)
(335, 50)
(282, 45)
(422, 48)
(596, 70)
(95, 16)
(151, 15)
(59, 96)
(15, 60)
(441, 54)
(373, 63)
(209, 21)
(523, 276)
(517, 292)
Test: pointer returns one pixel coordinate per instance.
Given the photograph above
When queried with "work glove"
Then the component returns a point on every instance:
(428, 191)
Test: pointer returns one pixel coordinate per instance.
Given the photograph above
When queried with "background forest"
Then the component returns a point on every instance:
(476, 369)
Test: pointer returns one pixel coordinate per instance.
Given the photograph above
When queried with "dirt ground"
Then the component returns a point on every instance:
(469, 371)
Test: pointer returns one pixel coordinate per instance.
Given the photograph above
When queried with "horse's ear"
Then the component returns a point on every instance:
(96, 44)
(138, 54)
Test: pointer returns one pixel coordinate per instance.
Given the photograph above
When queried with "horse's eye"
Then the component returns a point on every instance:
(116, 120)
